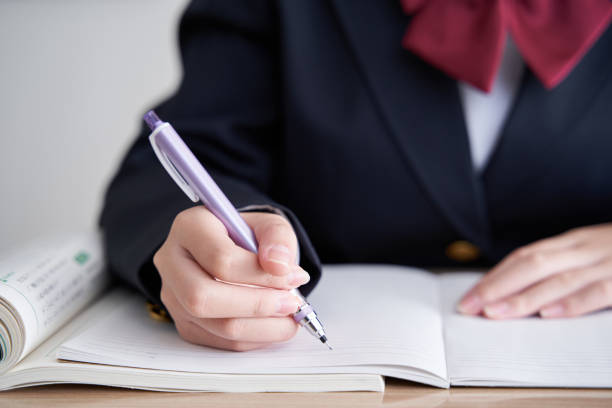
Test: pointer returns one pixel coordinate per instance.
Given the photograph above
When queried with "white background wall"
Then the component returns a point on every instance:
(75, 77)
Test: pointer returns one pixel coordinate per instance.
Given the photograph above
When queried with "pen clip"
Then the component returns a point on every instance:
(170, 168)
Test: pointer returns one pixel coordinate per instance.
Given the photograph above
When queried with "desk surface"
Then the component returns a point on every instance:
(398, 394)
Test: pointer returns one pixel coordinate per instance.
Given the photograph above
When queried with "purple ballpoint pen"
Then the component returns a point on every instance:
(187, 171)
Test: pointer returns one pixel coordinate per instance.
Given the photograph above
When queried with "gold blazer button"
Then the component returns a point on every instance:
(157, 312)
(462, 251)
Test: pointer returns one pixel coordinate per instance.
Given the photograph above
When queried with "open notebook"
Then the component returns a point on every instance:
(382, 320)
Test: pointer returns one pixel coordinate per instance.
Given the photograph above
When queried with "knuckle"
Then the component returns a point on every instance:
(160, 257)
(576, 233)
(190, 222)
(570, 305)
(163, 296)
(221, 264)
(536, 259)
(261, 305)
(522, 252)
(520, 304)
(157, 258)
(272, 281)
(486, 292)
(564, 279)
(181, 220)
(606, 289)
(205, 218)
(233, 329)
(480, 290)
(161, 262)
(196, 302)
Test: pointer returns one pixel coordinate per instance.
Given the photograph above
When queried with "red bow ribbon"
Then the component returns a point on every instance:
(466, 38)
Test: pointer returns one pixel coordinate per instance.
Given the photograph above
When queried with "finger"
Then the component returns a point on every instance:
(249, 330)
(277, 242)
(565, 241)
(195, 334)
(231, 263)
(547, 291)
(256, 330)
(595, 296)
(206, 239)
(204, 297)
(562, 241)
(525, 270)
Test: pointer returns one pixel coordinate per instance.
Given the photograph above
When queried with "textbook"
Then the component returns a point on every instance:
(42, 286)
(382, 320)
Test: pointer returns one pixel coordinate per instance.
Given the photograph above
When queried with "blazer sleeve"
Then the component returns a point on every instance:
(227, 109)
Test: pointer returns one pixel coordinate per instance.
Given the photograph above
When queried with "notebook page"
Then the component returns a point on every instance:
(379, 319)
(575, 352)
(42, 367)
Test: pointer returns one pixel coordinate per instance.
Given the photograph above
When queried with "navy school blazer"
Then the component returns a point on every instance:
(315, 108)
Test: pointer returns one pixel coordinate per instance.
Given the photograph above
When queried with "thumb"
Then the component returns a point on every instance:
(277, 242)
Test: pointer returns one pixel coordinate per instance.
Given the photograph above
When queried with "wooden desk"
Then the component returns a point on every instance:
(398, 394)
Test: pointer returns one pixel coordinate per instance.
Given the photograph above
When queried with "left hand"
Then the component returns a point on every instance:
(563, 276)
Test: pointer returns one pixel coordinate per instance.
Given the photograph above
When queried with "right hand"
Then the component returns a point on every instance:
(203, 275)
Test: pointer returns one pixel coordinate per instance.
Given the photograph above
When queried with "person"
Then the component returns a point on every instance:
(436, 134)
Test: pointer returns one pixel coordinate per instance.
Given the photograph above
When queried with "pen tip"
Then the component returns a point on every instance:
(323, 339)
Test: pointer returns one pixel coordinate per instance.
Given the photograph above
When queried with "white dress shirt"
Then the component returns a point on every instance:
(486, 113)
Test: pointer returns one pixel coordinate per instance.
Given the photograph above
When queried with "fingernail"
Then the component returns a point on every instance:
(553, 311)
(278, 254)
(298, 277)
(497, 309)
(470, 305)
(287, 304)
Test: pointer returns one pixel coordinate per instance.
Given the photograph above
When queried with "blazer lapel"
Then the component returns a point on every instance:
(542, 120)
(421, 109)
